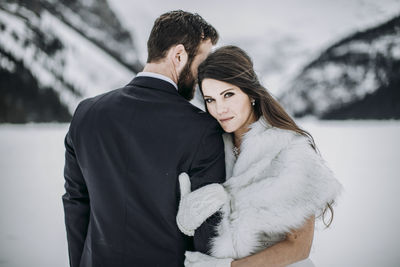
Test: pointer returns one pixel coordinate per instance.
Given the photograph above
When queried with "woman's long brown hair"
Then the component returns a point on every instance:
(232, 65)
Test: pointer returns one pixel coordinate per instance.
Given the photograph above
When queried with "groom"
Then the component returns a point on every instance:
(126, 148)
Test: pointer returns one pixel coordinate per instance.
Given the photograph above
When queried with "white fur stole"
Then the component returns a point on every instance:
(277, 182)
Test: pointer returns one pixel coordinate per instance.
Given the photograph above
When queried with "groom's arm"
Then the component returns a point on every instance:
(76, 204)
(208, 167)
(294, 248)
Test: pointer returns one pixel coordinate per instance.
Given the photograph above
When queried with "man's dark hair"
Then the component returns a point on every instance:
(178, 27)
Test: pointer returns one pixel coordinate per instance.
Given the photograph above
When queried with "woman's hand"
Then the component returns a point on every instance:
(195, 207)
(197, 259)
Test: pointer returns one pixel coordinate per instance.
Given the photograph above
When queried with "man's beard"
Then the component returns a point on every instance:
(186, 83)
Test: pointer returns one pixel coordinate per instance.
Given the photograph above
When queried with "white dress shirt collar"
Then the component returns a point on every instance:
(157, 76)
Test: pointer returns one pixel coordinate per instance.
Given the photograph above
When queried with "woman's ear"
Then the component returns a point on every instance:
(179, 57)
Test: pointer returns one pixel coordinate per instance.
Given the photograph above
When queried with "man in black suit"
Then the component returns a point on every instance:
(126, 148)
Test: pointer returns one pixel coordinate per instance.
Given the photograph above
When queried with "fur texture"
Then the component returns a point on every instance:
(276, 183)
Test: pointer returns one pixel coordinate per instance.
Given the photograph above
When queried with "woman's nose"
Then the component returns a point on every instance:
(221, 108)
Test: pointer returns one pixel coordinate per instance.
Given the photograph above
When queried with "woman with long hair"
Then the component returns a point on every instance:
(277, 183)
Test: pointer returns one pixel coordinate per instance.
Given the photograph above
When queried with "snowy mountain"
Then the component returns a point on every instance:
(357, 77)
(54, 53)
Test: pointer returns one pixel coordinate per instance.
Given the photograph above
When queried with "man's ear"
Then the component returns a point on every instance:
(179, 57)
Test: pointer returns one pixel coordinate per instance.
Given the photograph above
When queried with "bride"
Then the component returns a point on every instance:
(277, 183)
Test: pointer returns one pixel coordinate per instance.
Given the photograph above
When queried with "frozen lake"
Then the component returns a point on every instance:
(365, 155)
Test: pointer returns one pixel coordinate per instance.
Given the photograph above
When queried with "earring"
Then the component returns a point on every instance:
(253, 102)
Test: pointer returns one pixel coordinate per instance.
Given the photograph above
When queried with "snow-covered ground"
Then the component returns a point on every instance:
(363, 154)
(365, 158)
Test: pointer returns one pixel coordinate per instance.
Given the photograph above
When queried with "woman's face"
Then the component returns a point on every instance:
(229, 105)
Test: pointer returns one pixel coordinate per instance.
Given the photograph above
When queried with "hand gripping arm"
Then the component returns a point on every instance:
(195, 207)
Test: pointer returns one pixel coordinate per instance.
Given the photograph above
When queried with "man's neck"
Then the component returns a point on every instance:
(163, 69)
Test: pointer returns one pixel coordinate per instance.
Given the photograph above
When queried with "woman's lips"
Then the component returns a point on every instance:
(225, 119)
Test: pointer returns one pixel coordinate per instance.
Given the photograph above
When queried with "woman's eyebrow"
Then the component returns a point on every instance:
(222, 91)
(226, 90)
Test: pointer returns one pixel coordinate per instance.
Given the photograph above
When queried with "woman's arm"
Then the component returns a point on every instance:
(294, 248)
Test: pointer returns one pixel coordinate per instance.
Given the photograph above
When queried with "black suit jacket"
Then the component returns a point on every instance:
(124, 152)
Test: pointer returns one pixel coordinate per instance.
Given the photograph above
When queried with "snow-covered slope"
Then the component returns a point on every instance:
(281, 36)
(358, 77)
(95, 20)
(62, 56)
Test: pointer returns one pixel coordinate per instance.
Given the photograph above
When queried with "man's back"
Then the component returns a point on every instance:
(125, 150)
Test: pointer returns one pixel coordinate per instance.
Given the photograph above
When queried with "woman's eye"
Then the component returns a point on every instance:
(229, 94)
(208, 100)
